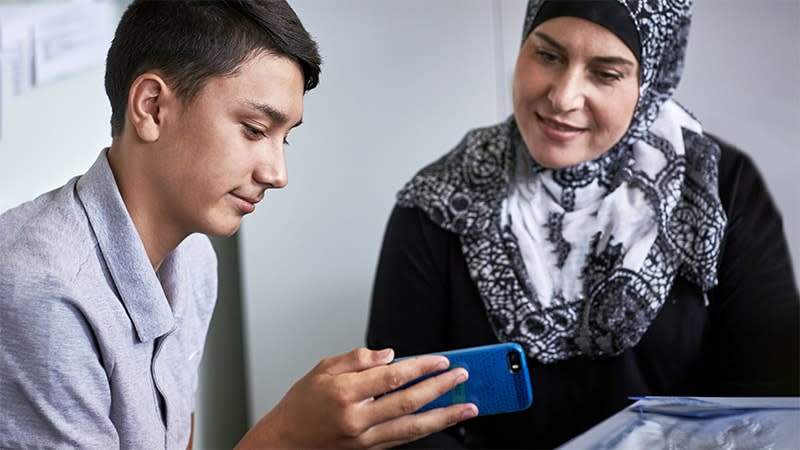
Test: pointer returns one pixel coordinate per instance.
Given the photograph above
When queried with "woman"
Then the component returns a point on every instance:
(626, 249)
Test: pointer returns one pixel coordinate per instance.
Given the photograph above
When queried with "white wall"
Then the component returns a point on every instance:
(401, 83)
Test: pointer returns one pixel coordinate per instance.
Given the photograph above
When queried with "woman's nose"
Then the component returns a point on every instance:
(567, 92)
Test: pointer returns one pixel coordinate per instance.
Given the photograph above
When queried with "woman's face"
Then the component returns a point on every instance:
(575, 88)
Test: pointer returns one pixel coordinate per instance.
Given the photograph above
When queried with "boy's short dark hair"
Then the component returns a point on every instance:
(190, 41)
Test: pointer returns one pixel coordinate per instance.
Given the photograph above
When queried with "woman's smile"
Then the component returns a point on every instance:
(558, 131)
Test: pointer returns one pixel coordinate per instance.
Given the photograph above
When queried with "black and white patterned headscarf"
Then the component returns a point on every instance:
(578, 261)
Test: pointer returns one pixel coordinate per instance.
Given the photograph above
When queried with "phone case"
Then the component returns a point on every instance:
(498, 379)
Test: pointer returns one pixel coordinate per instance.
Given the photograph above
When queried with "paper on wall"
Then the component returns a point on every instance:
(71, 38)
(42, 42)
(16, 43)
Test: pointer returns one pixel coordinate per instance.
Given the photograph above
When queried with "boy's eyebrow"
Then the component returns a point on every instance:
(273, 113)
(602, 59)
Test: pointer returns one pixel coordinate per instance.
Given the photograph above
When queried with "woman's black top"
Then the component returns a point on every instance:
(742, 338)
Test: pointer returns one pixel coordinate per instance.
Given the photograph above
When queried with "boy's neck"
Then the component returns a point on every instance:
(159, 235)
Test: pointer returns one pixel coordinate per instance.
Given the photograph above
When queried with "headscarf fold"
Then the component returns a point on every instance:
(578, 261)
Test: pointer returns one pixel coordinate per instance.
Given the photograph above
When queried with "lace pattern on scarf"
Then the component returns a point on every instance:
(463, 192)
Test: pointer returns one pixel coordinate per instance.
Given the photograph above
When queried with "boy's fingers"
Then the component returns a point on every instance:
(381, 380)
(356, 360)
(407, 401)
(416, 426)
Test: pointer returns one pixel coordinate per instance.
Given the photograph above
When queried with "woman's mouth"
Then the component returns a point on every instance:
(558, 131)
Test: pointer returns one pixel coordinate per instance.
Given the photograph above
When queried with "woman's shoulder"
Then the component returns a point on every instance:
(732, 158)
(464, 186)
(738, 174)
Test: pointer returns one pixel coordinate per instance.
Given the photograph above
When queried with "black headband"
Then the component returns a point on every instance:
(609, 14)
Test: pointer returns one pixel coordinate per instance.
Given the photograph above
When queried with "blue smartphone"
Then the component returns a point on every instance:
(498, 379)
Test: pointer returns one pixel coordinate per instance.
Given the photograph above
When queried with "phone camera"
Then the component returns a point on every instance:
(514, 361)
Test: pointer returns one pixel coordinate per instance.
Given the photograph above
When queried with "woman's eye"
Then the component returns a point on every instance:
(609, 77)
(546, 56)
(252, 132)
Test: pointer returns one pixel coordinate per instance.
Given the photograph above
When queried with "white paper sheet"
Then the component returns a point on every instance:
(42, 42)
(16, 43)
(70, 38)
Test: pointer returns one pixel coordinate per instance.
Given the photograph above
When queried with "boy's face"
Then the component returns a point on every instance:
(223, 150)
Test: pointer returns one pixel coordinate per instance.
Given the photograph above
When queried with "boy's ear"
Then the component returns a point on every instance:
(146, 105)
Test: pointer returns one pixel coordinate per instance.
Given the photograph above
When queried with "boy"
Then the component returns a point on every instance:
(107, 284)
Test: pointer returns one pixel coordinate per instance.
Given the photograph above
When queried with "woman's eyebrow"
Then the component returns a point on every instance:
(614, 60)
(601, 59)
(550, 41)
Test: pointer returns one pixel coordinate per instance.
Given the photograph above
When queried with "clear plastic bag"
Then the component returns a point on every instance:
(688, 423)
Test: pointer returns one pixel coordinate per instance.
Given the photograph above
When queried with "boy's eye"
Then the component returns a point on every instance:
(252, 132)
